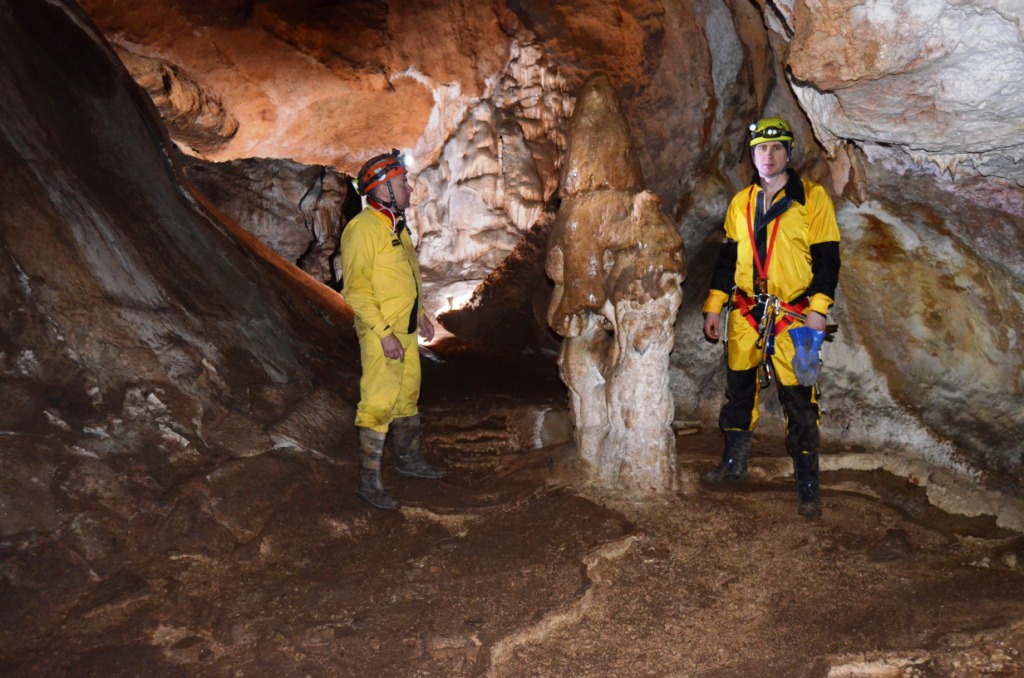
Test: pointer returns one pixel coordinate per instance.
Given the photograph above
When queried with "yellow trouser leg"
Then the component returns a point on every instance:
(388, 389)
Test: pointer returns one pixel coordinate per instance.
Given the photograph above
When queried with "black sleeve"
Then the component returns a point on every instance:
(824, 269)
(724, 276)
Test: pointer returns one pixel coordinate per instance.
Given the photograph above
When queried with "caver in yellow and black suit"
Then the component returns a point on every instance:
(798, 237)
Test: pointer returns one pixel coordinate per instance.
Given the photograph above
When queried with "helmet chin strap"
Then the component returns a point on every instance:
(397, 215)
(391, 204)
(394, 203)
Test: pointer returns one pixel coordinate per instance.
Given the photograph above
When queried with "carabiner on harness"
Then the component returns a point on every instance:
(766, 337)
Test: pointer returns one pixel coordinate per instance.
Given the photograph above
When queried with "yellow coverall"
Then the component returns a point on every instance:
(382, 284)
(804, 263)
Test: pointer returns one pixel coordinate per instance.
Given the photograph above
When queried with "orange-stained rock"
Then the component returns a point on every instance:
(317, 83)
(608, 159)
(193, 116)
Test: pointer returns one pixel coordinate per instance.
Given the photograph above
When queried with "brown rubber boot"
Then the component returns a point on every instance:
(405, 436)
(371, 444)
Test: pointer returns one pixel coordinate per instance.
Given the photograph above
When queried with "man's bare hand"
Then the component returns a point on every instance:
(392, 347)
(815, 321)
(426, 328)
(711, 327)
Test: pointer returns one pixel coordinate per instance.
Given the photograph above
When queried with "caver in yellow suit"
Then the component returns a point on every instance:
(382, 284)
(786, 252)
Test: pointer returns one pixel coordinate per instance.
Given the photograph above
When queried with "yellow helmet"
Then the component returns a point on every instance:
(770, 129)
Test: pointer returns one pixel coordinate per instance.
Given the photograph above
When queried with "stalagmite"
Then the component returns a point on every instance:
(617, 263)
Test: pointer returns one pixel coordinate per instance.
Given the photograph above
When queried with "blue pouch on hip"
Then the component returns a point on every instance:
(806, 362)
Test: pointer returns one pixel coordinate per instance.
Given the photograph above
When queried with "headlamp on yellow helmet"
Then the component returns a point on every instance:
(770, 129)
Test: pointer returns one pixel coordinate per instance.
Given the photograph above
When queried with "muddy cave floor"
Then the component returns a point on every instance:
(499, 571)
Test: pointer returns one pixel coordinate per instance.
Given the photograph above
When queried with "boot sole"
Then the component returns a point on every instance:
(383, 507)
(421, 476)
(809, 510)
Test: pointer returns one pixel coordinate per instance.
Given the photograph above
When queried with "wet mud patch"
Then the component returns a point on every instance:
(306, 580)
(730, 581)
(741, 586)
(270, 565)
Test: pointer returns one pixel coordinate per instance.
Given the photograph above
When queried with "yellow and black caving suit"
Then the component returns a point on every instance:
(382, 284)
(802, 271)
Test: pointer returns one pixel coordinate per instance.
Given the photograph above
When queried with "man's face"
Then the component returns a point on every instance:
(403, 193)
(770, 158)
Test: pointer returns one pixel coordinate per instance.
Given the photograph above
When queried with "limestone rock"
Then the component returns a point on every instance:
(317, 89)
(926, 91)
(951, 356)
(495, 172)
(940, 79)
(134, 317)
(26, 499)
(193, 116)
(507, 311)
(617, 264)
(298, 210)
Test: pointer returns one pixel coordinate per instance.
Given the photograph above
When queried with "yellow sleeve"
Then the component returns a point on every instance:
(358, 252)
(820, 303)
(715, 301)
(823, 226)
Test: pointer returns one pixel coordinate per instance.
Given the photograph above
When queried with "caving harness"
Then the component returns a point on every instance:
(765, 312)
(769, 315)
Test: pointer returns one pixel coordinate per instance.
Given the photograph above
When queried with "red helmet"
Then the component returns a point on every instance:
(380, 169)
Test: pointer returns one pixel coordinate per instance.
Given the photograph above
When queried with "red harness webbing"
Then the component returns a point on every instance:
(745, 304)
(762, 267)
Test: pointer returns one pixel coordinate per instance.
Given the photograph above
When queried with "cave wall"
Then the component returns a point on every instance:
(903, 110)
(147, 337)
(298, 210)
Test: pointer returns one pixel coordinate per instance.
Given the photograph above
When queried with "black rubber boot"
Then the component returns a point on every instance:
(734, 460)
(805, 469)
(409, 461)
(370, 488)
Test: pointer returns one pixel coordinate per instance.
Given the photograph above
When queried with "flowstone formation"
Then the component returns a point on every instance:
(617, 263)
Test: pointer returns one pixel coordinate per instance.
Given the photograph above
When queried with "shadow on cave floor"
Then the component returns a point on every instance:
(501, 569)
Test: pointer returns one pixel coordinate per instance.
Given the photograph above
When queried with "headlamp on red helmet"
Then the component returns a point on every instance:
(379, 170)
